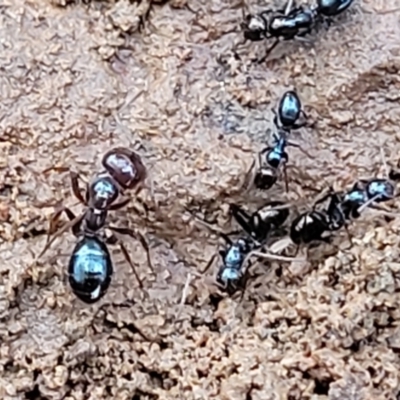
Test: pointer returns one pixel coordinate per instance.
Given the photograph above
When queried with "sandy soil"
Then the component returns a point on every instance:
(79, 79)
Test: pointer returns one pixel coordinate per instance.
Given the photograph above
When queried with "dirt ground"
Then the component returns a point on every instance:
(77, 79)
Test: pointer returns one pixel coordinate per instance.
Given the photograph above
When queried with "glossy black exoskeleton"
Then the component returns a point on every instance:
(282, 24)
(275, 160)
(90, 267)
(264, 221)
(331, 8)
(309, 227)
(289, 111)
(269, 167)
(334, 212)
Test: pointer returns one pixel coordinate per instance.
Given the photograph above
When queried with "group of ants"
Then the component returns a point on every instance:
(90, 267)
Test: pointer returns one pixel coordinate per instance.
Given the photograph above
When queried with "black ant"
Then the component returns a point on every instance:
(90, 267)
(291, 22)
(287, 24)
(366, 192)
(343, 206)
(289, 111)
(276, 158)
(232, 274)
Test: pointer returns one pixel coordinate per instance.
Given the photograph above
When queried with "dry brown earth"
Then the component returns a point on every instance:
(76, 79)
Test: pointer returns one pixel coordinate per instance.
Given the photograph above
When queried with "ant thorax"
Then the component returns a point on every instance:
(102, 192)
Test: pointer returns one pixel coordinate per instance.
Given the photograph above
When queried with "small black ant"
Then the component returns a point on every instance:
(90, 267)
(232, 274)
(289, 111)
(289, 23)
(261, 223)
(366, 192)
(276, 158)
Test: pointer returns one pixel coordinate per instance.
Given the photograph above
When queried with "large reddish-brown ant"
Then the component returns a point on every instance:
(90, 266)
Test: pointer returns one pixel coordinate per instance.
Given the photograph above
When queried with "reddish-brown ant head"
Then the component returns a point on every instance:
(102, 192)
(125, 166)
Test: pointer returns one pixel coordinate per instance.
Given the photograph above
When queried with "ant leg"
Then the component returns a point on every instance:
(241, 217)
(75, 187)
(119, 205)
(138, 236)
(289, 6)
(323, 198)
(286, 178)
(130, 326)
(74, 223)
(210, 262)
(299, 125)
(293, 144)
(268, 52)
(226, 238)
(349, 237)
(249, 177)
(113, 240)
(276, 257)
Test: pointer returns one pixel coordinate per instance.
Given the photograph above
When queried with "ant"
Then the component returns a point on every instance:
(90, 267)
(343, 206)
(289, 111)
(286, 24)
(233, 273)
(276, 158)
(365, 192)
(263, 221)
(291, 22)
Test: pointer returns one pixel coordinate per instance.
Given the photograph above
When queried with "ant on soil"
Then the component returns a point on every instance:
(276, 158)
(366, 192)
(289, 111)
(343, 206)
(233, 273)
(90, 267)
(286, 24)
(289, 23)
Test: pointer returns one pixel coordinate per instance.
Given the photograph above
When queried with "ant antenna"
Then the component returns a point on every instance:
(289, 7)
